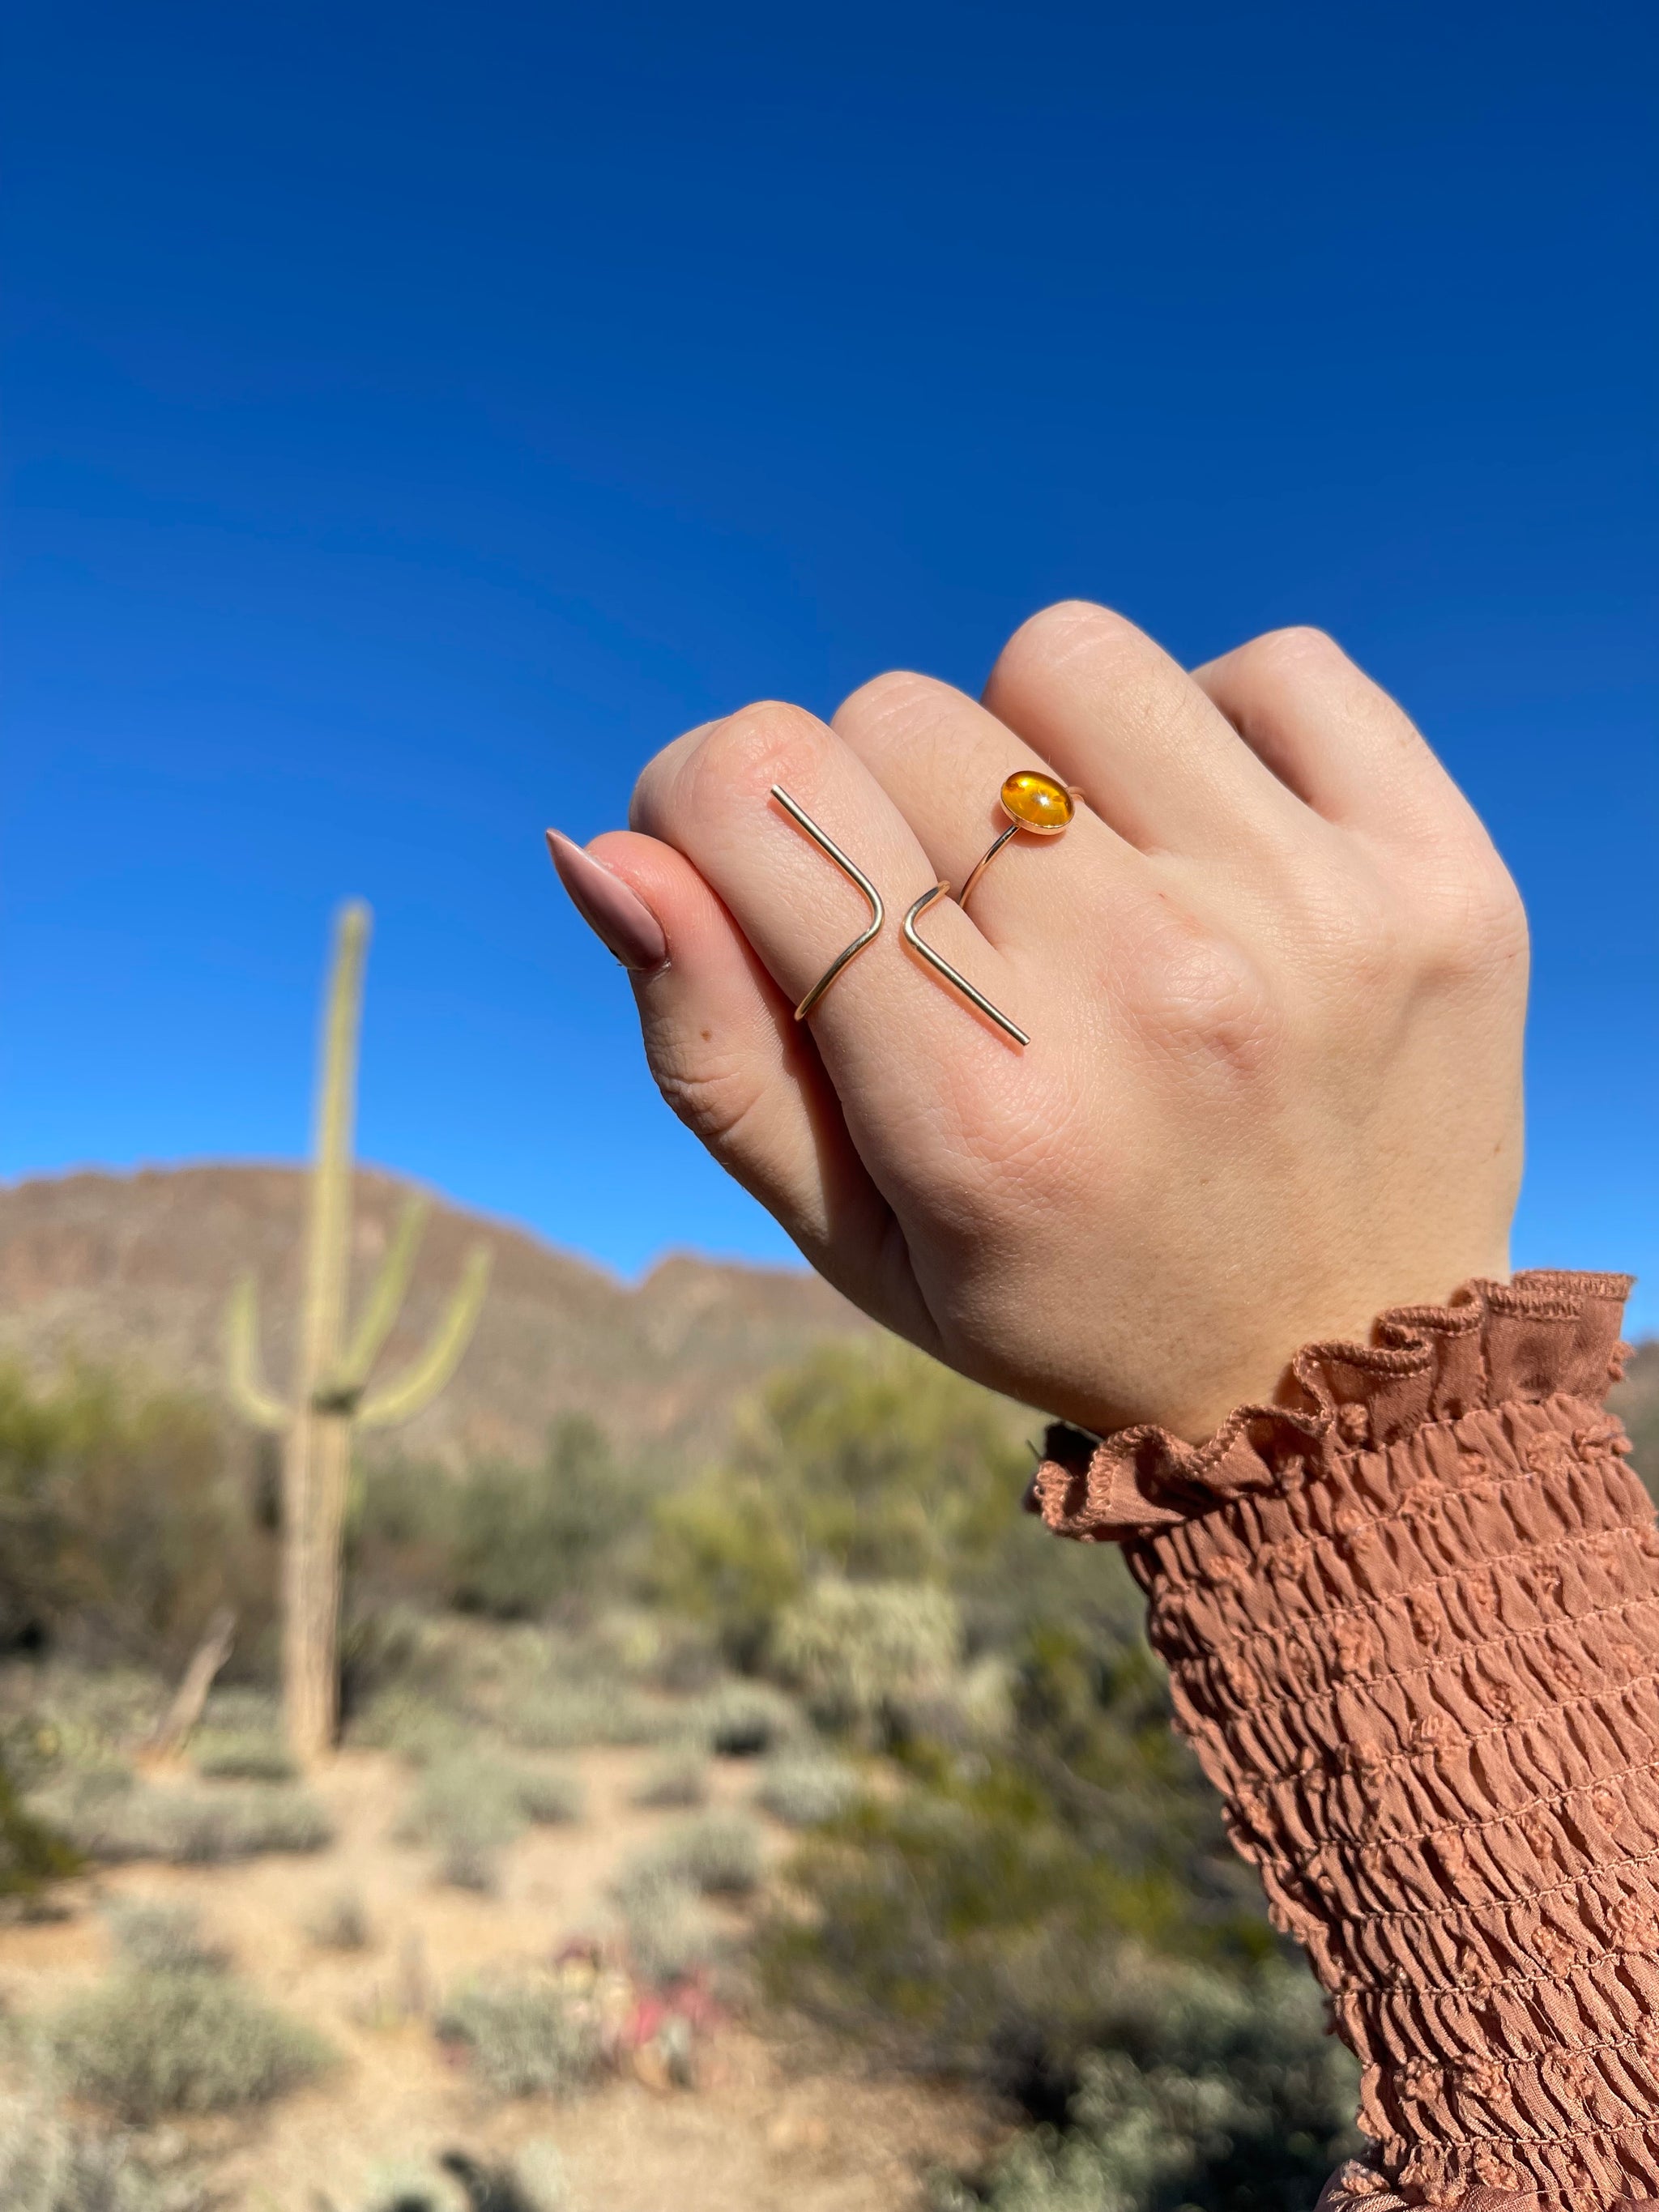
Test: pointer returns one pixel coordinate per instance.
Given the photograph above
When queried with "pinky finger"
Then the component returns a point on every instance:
(745, 1078)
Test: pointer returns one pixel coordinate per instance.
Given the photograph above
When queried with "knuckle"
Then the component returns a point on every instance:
(751, 750)
(897, 696)
(1208, 1003)
(1069, 627)
(1471, 919)
(1297, 653)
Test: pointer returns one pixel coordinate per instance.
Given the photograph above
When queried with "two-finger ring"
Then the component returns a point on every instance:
(825, 843)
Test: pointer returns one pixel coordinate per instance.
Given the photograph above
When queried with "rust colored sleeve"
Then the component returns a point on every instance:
(1412, 1622)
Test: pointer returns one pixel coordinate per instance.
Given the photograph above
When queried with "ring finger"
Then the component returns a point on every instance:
(943, 758)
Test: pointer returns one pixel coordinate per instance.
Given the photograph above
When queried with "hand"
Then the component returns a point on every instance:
(1273, 975)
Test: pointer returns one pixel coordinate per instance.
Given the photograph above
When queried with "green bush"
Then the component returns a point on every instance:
(804, 1790)
(126, 1523)
(549, 1800)
(864, 1652)
(527, 1538)
(467, 1809)
(32, 1853)
(678, 1777)
(341, 1922)
(1222, 2092)
(716, 1853)
(669, 1934)
(740, 1720)
(523, 2035)
(470, 1807)
(964, 1927)
(109, 1817)
(566, 1716)
(155, 1938)
(49, 2163)
(241, 1755)
(144, 2044)
(868, 1461)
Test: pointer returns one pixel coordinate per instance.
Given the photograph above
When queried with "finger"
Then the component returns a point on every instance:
(1094, 695)
(894, 1038)
(942, 759)
(743, 1075)
(1327, 731)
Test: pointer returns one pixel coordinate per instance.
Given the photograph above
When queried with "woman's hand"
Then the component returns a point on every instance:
(1273, 975)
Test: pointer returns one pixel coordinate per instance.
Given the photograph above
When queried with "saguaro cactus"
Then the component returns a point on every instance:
(331, 1398)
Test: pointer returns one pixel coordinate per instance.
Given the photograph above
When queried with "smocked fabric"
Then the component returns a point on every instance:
(1412, 1622)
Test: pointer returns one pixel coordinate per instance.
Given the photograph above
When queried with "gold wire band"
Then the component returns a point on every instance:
(878, 912)
(950, 974)
(1074, 792)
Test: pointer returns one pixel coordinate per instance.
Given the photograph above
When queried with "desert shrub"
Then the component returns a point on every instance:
(410, 1725)
(562, 1715)
(668, 1934)
(740, 1720)
(864, 1653)
(549, 1800)
(716, 1853)
(108, 1816)
(963, 1926)
(241, 1755)
(523, 2035)
(868, 1461)
(678, 1777)
(341, 1922)
(158, 1938)
(143, 2044)
(804, 1790)
(32, 1852)
(74, 1716)
(527, 1538)
(49, 2163)
(125, 1523)
(1222, 2092)
(468, 1809)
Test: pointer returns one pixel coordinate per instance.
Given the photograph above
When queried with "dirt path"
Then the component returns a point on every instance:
(751, 2137)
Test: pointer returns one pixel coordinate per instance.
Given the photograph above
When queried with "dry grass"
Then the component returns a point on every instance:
(143, 2044)
(523, 2036)
(109, 1816)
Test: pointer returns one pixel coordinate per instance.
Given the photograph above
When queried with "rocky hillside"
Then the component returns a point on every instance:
(135, 1269)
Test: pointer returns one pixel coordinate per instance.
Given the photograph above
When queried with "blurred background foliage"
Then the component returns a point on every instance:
(1008, 1872)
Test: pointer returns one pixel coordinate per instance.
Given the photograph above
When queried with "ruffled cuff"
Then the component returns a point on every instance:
(1412, 1620)
(1544, 1334)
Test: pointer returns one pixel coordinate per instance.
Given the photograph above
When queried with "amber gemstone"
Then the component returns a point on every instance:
(1037, 802)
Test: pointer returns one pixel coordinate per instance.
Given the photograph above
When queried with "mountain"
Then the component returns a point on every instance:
(134, 1269)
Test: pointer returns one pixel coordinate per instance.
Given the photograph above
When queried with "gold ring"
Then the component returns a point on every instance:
(878, 912)
(952, 976)
(1034, 803)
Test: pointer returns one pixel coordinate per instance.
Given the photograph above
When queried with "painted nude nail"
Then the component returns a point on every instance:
(618, 916)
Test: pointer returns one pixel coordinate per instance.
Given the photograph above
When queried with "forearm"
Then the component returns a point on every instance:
(1412, 1624)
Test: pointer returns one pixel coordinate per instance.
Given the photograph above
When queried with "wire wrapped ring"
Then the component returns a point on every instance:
(1033, 802)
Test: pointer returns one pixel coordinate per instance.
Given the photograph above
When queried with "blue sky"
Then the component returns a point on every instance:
(416, 416)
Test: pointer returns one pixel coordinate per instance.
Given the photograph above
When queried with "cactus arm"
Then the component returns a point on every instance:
(419, 1384)
(242, 1377)
(385, 1298)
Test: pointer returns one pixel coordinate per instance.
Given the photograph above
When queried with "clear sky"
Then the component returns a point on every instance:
(415, 416)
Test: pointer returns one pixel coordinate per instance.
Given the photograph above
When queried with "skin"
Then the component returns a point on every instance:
(1274, 976)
